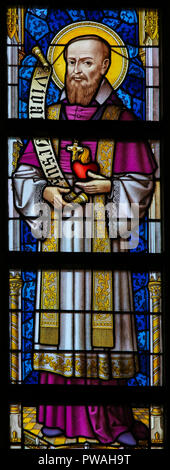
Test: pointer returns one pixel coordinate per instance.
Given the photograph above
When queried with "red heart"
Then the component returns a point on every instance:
(80, 169)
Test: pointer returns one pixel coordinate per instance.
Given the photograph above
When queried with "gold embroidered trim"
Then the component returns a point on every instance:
(122, 366)
(53, 111)
(49, 321)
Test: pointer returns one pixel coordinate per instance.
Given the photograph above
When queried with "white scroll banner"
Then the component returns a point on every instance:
(43, 146)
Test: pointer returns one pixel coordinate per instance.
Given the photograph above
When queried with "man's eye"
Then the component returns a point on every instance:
(88, 63)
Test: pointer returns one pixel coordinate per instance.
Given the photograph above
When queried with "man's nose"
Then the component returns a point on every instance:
(77, 67)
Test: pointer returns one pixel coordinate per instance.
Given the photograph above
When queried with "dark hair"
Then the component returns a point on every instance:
(90, 36)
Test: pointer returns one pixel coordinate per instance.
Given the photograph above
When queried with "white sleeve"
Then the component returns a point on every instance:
(131, 188)
(28, 186)
(130, 198)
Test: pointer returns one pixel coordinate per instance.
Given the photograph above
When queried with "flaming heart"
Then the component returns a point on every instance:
(80, 169)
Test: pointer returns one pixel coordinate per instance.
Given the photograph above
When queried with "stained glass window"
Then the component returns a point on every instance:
(85, 229)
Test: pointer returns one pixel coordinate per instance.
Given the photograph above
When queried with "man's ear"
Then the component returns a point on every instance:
(105, 66)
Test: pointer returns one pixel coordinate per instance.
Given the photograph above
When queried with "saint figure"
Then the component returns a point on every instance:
(83, 344)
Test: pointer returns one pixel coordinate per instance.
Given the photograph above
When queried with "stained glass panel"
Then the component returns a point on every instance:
(41, 307)
(144, 235)
(136, 29)
(83, 207)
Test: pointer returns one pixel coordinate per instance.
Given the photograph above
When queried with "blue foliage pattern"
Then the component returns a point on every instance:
(28, 242)
(28, 311)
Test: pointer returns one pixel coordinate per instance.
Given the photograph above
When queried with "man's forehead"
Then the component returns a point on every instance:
(89, 47)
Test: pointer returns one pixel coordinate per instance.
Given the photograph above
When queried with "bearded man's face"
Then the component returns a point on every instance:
(85, 69)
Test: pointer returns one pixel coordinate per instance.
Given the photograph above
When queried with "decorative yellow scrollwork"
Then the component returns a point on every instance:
(49, 321)
(154, 287)
(148, 30)
(16, 153)
(15, 284)
(151, 23)
(12, 23)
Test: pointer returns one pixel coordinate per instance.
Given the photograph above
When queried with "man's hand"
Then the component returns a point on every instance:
(53, 195)
(98, 184)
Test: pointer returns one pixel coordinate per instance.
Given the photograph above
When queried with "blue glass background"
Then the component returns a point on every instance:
(28, 311)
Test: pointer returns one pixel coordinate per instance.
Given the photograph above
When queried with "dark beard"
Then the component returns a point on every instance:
(81, 93)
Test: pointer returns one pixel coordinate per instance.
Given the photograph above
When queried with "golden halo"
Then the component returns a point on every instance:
(119, 53)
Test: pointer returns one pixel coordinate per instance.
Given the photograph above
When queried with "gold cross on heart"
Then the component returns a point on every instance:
(75, 149)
